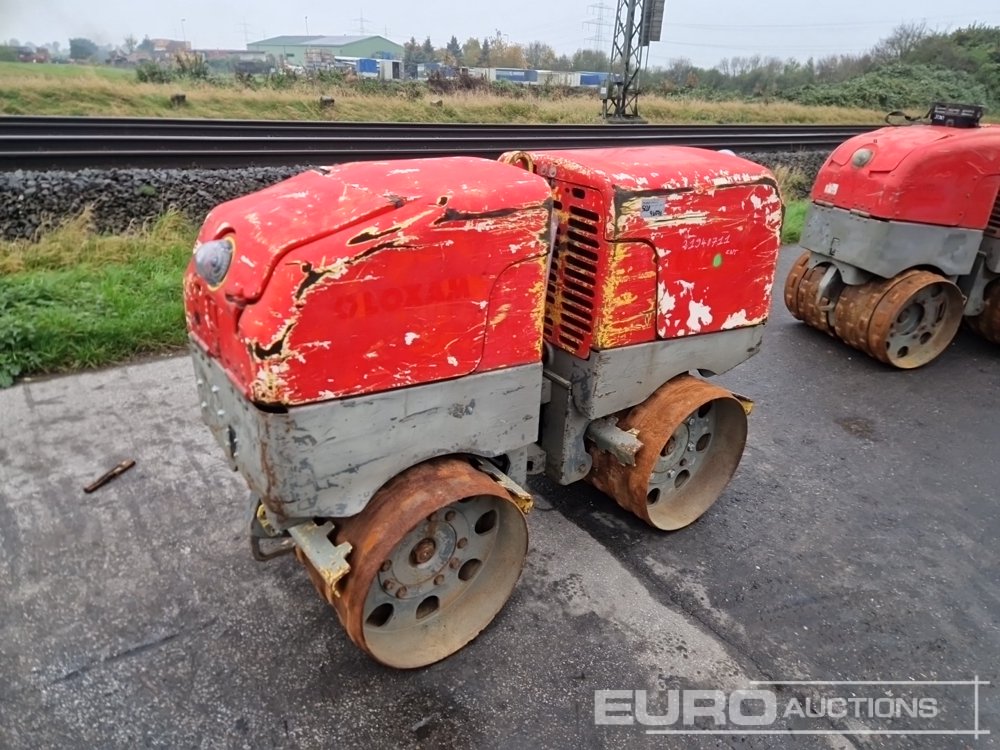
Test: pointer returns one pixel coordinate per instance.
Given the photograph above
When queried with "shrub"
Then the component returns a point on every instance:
(896, 87)
(150, 72)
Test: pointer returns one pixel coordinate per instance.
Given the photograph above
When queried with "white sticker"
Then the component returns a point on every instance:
(652, 208)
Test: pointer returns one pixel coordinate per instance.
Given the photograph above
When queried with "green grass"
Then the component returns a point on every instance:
(795, 217)
(74, 299)
(63, 71)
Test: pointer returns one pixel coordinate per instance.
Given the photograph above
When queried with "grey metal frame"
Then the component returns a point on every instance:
(985, 270)
(850, 243)
(329, 458)
(583, 390)
(858, 244)
(991, 249)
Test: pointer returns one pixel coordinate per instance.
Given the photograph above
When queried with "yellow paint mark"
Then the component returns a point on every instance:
(613, 327)
(502, 312)
(538, 295)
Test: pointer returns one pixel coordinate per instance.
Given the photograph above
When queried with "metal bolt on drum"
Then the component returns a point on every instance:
(437, 553)
(693, 434)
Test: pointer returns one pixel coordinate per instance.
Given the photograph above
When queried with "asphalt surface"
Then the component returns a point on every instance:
(858, 541)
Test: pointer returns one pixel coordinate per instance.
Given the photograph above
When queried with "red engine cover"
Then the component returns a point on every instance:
(922, 173)
(656, 242)
(370, 276)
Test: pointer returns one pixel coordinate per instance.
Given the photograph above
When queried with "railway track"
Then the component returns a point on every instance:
(43, 143)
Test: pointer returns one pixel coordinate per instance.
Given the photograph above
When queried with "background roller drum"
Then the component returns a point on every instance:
(792, 282)
(987, 323)
(802, 294)
(905, 321)
(693, 434)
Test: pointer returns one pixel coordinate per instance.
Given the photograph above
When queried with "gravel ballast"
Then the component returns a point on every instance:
(123, 198)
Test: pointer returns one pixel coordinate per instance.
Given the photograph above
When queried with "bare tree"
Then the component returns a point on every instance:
(901, 42)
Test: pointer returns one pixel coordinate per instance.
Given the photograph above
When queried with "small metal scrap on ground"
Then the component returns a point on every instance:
(109, 475)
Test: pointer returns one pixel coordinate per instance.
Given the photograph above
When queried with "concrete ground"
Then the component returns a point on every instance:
(858, 541)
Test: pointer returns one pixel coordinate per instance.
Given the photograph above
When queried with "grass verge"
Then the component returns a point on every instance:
(74, 299)
(795, 218)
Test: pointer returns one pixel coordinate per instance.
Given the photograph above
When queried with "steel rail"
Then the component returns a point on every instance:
(81, 142)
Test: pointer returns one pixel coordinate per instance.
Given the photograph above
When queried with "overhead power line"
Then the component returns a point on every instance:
(838, 24)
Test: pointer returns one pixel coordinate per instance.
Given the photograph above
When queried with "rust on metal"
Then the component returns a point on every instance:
(812, 303)
(405, 502)
(423, 551)
(656, 421)
(371, 276)
(866, 317)
(934, 335)
(451, 215)
(107, 476)
(655, 243)
(792, 282)
(261, 532)
(610, 438)
(987, 323)
(854, 310)
(520, 496)
(803, 296)
(520, 159)
(325, 562)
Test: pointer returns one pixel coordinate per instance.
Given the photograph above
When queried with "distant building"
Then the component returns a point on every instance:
(309, 50)
(31, 54)
(165, 47)
(232, 54)
(235, 60)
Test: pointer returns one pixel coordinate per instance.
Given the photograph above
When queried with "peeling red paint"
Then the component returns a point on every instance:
(372, 276)
(656, 242)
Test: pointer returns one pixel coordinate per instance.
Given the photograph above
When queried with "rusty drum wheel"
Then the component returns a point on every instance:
(437, 553)
(812, 307)
(854, 312)
(802, 294)
(916, 320)
(693, 434)
(905, 321)
(792, 282)
(987, 323)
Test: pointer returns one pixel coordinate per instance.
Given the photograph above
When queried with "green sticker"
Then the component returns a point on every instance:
(717, 260)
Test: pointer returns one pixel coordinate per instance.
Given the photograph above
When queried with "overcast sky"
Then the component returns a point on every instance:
(702, 30)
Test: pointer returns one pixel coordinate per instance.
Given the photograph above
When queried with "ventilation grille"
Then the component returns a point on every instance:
(993, 227)
(571, 296)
